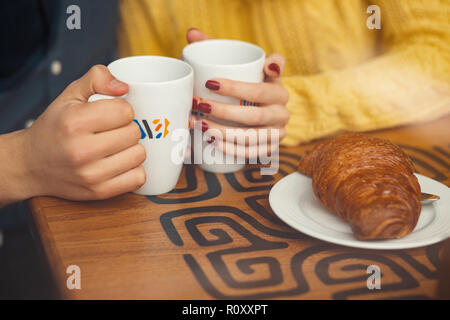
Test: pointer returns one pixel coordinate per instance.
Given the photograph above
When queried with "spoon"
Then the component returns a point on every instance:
(427, 198)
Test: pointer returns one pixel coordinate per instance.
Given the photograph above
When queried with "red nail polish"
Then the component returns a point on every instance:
(204, 126)
(274, 67)
(204, 107)
(211, 140)
(212, 85)
(194, 103)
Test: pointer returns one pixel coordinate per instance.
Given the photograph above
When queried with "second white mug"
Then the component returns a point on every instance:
(230, 59)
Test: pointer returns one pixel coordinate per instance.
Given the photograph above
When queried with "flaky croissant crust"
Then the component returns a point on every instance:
(368, 182)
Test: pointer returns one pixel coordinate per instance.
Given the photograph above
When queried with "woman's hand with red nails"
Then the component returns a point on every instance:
(270, 96)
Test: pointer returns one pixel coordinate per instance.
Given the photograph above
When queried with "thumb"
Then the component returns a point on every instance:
(194, 35)
(274, 66)
(97, 80)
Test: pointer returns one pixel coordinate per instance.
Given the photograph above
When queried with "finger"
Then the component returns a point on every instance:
(258, 151)
(271, 115)
(110, 142)
(125, 182)
(193, 116)
(274, 65)
(241, 135)
(114, 165)
(107, 114)
(97, 80)
(194, 35)
(264, 92)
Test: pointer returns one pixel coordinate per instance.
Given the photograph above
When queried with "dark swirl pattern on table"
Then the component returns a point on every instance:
(248, 253)
(213, 188)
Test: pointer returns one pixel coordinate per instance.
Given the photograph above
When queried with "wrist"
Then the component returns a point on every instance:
(17, 180)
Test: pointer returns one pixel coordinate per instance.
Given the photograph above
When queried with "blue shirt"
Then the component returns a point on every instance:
(67, 55)
(64, 57)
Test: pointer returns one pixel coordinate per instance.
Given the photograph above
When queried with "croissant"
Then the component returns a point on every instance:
(368, 182)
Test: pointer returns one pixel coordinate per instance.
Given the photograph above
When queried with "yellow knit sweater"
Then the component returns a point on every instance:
(340, 74)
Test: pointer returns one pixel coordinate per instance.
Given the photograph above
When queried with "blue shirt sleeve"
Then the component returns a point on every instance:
(68, 55)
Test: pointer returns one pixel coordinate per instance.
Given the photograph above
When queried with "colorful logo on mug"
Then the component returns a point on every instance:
(242, 102)
(158, 128)
(247, 103)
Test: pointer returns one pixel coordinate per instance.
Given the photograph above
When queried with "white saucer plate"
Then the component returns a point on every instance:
(293, 201)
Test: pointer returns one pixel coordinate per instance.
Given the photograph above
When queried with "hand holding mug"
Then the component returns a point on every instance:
(82, 150)
(270, 96)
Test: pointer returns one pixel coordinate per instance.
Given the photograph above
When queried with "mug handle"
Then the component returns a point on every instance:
(98, 96)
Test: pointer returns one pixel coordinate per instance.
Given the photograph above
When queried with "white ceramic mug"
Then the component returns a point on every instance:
(160, 92)
(231, 59)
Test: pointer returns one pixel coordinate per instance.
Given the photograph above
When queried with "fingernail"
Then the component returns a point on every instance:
(194, 103)
(204, 126)
(212, 85)
(201, 125)
(274, 67)
(211, 140)
(204, 107)
(116, 83)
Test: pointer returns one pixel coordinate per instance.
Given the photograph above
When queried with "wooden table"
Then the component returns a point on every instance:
(215, 236)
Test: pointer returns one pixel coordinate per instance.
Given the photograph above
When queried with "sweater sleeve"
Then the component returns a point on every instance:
(408, 81)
